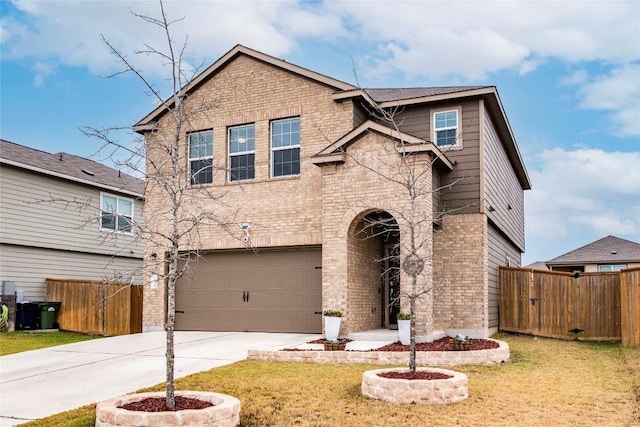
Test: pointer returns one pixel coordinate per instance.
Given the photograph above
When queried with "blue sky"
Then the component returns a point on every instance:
(568, 74)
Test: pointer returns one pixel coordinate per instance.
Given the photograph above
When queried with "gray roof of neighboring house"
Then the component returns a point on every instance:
(396, 94)
(69, 167)
(609, 249)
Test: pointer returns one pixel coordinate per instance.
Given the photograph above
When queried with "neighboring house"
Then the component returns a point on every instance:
(65, 217)
(280, 144)
(607, 254)
(538, 265)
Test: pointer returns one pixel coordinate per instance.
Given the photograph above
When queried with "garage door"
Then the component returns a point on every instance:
(268, 291)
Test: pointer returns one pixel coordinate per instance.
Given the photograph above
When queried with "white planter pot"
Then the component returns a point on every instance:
(404, 331)
(332, 327)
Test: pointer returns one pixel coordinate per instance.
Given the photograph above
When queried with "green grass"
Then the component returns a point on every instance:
(547, 382)
(18, 341)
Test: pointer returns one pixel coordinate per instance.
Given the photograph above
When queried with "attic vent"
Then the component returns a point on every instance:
(87, 172)
(614, 252)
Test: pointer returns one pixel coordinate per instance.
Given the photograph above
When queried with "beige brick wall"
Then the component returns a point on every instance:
(282, 212)
(363, 184)
(324, 205)
(460, 274)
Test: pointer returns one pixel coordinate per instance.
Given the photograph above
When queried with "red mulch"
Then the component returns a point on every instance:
(443, 344)
(159, 404)
(419, 375)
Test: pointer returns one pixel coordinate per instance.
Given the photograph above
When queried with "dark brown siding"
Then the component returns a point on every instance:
(504, 197)
(501, 253)
(464, 195)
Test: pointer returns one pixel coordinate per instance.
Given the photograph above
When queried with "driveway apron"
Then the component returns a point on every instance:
(39, 383)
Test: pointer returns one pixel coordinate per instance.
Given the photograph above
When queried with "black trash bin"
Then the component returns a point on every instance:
(27, 315)
(48, 313)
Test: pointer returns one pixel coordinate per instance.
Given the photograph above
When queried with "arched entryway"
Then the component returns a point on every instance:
(373, 271)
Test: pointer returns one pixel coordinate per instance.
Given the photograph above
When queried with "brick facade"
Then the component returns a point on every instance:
(324, 205)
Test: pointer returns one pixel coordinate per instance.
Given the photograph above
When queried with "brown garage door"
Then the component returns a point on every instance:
(268, 291)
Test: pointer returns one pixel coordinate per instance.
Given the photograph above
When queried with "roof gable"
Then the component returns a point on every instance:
(336, 152)
(609, 249)
(222, 62)
(70, 167)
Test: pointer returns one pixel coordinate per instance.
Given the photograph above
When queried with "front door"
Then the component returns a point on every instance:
(391, 275)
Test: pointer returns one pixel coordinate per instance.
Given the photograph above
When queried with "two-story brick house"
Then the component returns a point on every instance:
(298, 158)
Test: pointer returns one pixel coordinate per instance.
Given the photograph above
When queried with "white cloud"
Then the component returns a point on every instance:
(619, 92)
(585, 191)
(579, 196)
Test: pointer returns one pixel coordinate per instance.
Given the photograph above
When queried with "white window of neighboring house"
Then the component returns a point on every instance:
(201, 157)
(611, 267)
(285, 147)
(445, 128)
(117, 213)
(242, 152)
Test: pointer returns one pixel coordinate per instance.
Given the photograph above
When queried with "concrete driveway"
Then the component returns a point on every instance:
(39, 383)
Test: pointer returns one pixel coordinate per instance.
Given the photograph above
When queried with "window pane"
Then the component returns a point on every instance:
(108, 221)
(109, 203)
(286, 162)
(446, 137)
(125, 207)
(285, 133)
(201, 171)
(124, 224)
(201, 144)
(242, 167)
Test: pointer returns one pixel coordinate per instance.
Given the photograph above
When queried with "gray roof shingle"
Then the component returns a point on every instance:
(70, 167)
(609, 249)
(397, 94)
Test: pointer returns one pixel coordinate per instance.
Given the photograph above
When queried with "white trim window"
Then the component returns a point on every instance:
(285, 147)
(242, 152)
(445, 128)
(611, 267)
(201, 157)
(117, 213)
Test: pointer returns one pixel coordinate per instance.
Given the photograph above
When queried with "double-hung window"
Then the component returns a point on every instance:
(445, 125)
(201, 157)
(285, 147)
(117, 213)
(242, 152)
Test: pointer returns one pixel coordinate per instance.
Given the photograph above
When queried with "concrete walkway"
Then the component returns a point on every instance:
(39, 383)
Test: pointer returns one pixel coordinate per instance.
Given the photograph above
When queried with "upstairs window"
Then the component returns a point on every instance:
(445, 125)
(285, 147)
(117, 213)
(201, 157)
(242, 152)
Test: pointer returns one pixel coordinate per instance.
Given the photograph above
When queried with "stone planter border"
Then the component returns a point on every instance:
(426, 392)
(224, 413)
(423, 358)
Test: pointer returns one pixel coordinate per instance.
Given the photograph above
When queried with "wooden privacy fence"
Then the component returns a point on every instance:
(97, 307)
(593, 306)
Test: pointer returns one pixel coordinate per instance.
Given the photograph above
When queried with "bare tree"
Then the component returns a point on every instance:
(162, 158)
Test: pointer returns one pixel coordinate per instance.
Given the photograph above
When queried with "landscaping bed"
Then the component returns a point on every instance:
(486, 352)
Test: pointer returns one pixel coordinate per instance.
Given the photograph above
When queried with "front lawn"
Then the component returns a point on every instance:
(547, 382)
(18, 341)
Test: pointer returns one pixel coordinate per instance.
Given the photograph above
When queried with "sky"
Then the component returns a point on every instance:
(567, 72)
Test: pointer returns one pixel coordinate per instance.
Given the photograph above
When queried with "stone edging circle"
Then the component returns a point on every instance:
(224, 413)
(492, 356)
(427, 392)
